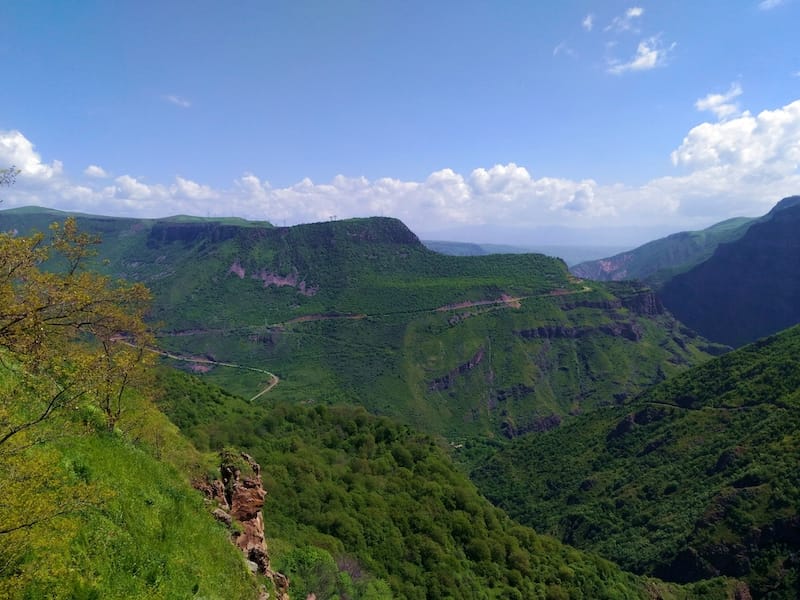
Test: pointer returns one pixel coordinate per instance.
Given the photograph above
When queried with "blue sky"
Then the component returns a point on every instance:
(464, 119)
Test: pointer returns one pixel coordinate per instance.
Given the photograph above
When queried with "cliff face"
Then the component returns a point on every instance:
(240, 499)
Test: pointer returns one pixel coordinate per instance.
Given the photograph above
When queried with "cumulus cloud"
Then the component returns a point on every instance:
(177, 101)
(650, 53)
(588, 22)
(17, 150)
(764, 145)
(722, 105)
(626, 21)
(769, 4)
(739, 165)
(95, 171)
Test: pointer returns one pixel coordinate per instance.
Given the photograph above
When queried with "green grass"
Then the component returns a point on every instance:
(115, 516)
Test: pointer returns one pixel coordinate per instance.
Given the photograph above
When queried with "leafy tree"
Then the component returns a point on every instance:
(71, 335)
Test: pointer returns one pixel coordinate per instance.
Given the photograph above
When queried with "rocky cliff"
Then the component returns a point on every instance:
(239, 498)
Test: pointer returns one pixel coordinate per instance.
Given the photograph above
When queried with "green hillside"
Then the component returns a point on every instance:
(92, 514)
(359, 311)
(658, 261)
(696, 477)
(358, 494)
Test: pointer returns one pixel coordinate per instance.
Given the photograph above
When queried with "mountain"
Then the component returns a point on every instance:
(359, 311)
(569, 254)
(750, 287)
(695, 478)
(659, 260)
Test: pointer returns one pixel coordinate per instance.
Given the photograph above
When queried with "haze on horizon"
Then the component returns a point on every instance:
(599, 122)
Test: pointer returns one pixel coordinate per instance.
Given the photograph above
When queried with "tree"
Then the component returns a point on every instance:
(71, 335)
(69, 339)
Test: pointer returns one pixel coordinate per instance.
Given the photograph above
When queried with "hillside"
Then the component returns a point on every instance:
(750, 287)
(696, 477)
(360, 311)
(660, 260)
(92, 514)
(361, 499)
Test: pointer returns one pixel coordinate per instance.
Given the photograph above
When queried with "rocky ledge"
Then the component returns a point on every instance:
(238, 500)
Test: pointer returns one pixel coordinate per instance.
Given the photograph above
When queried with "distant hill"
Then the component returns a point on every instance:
(750, 287)
(569, 254)
(659, 260)
(359, 311)
(696, 477)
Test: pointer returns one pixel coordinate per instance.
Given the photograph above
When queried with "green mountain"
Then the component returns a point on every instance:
(355, 498)
(750, 287)
(694, 478)
(569, 254)
(359, 311)
(95, 484)
(660, 260)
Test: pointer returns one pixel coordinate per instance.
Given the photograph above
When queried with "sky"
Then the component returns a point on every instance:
(572, 121)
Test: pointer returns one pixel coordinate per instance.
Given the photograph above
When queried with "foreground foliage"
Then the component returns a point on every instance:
(86, 509)
(697, 477)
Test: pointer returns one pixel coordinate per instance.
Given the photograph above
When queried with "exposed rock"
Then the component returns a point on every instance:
(538, 425)
(223, 517)
(442, 383)
(244, 498)
(290, 280)
(644, 303)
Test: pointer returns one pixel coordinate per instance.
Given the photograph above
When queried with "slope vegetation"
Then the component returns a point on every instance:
(362, 501)
(360, 311)
(695, 478)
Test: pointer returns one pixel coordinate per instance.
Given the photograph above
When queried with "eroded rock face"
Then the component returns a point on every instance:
(241, 499)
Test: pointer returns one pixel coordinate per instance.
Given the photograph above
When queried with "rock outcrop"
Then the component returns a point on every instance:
(239, 500)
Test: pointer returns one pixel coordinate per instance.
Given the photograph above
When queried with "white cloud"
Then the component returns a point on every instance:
(762, 146)
(17, 150)
(626, 21)
(740, 165)
(177, 101)
(95, 171)
(190, 189)
(650, 53)
(588, 22)
(769, 4)
(563, 48)
(721, 105)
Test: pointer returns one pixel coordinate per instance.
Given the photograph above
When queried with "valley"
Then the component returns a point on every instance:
(368, 376)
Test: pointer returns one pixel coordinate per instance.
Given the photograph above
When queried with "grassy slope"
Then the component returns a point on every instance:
(389, 502)
(696, 477)
(134, 527)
